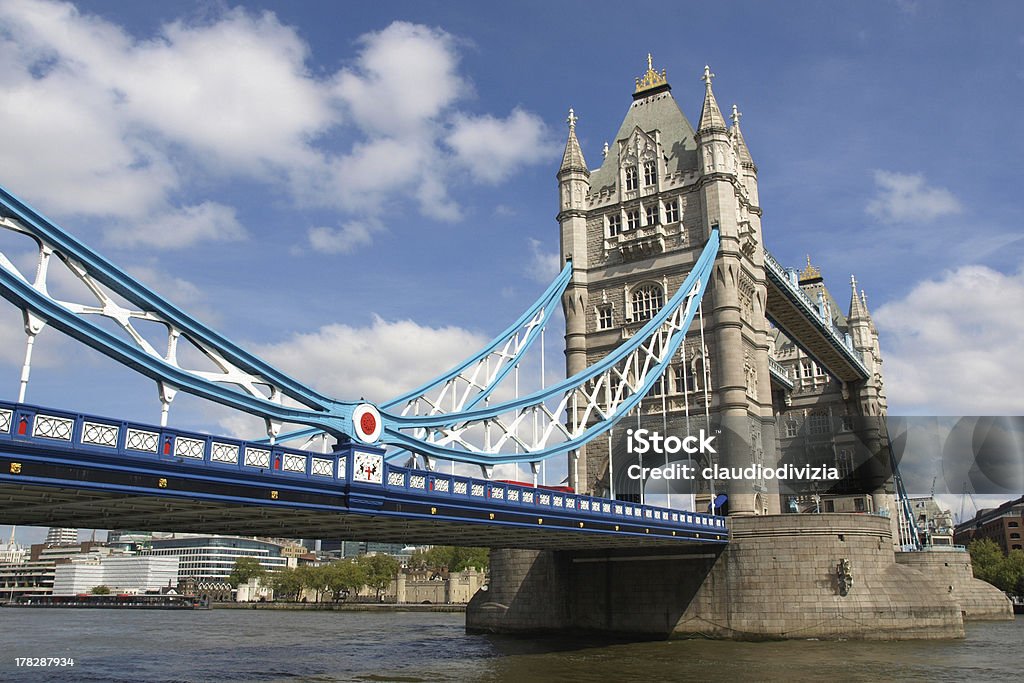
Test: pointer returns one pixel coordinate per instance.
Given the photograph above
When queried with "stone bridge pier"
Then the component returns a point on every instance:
(778, 578)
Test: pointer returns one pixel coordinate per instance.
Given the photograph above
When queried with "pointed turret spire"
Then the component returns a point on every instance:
(737, 135)
(857, 309)
(867, 313)
(710, 115)
(572, 159)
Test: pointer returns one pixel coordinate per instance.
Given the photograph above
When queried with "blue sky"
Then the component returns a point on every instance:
(363, 191)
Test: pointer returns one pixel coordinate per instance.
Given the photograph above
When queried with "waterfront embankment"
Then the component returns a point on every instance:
(340, 606)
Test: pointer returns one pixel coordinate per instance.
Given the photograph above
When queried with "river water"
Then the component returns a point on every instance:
(247, 645)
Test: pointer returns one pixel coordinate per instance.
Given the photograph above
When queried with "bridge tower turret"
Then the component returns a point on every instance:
(728, 191)
(573, 188)
(871, 393)
(869, 398)
(633, 233)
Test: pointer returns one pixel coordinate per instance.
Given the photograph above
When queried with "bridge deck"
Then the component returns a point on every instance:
(792, 311)
(66, 469)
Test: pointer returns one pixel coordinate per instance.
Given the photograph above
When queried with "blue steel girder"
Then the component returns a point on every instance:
(796, 315)
(572, 412)
(475, 379)
(75, 456)
(567, 414)
(246, 382)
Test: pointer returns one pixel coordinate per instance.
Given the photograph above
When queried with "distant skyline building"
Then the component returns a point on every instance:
(61, 536)
(1004, 525)
(121, 574)
(211, 558)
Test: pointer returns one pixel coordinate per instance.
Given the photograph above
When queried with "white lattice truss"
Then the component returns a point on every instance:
(530, 428)
(111, 295)
(464, 390)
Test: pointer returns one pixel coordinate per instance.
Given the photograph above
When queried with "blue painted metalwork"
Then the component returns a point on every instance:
(684, 303)
(534, 319)
(277, 469)
(787, 283)
(244, 372)
(334, 416)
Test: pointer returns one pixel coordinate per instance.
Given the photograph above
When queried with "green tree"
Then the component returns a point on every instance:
(985, 558)
(344, 576)
(454, 558)
(311, 578)
(380, 570)
(245, 568)
(100, 590)
(1011, 572)
(287, 584)
(1005, 572)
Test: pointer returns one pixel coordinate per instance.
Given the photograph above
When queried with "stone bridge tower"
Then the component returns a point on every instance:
(633, 229)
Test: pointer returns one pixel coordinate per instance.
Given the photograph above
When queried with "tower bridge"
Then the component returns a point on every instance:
(677, 318)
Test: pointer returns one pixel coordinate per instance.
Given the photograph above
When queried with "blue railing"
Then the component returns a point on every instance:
(99, 436)
(840, 339)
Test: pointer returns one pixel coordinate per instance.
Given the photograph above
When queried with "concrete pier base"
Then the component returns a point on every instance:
(776, 579)
(950, 572)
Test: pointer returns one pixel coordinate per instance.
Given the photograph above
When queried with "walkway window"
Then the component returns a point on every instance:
(647, 300)
(631, 178)
(650, 172)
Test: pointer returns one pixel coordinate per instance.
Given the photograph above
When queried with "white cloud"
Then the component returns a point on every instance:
(101, 122)
(180, 228)
(405, 76)
(951, 345)
(492, 148)
(346, 239)
(543, 266)
(377, 362)
(906, 198)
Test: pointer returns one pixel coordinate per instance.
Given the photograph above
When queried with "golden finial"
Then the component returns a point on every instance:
(651, 78)
(810, 272)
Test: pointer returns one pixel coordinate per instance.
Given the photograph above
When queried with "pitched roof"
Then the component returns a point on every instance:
(572, 158)
(710, 115)
(741, 145)
(657, 111)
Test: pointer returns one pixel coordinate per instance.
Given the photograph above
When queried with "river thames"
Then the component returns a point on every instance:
(247, 645)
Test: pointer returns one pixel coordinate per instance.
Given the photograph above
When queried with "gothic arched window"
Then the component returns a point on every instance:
(631, 177)
(650, 172)
(647, 300)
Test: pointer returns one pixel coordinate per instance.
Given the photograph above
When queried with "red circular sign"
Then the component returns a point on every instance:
(368, 423)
